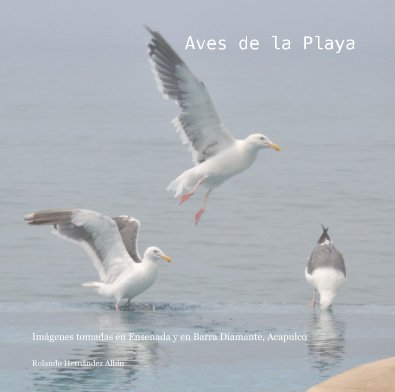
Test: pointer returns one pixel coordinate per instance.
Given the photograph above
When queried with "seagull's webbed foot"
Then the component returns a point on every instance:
(185, 197)
(192, 191)
(327, 308)
(198, 215)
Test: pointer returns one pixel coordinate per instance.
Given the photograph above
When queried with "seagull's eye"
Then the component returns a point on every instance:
(155, 251)
(262, 138)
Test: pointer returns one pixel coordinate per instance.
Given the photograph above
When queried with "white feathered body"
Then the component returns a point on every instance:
(129, 284)
(327, 281)
(112, 245)
(217, 169)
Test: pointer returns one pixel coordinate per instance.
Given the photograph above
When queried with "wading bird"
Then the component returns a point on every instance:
(112, 245)
(325, 270)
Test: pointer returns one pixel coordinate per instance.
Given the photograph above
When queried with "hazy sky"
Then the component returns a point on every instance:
(70, 23)
(57, 50)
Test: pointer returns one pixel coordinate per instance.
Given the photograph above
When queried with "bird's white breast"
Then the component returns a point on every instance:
(230, 162)
(140, 278)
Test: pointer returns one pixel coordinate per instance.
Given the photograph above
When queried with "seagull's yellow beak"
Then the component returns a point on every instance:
(166, 258)
(275, 146)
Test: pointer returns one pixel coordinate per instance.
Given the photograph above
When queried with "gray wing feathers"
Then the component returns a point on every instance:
(49, 217)
(129, 229)
(326, 256)
(198, 123)
(96, 233)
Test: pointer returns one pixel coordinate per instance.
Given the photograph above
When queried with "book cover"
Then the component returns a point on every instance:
(284, 123)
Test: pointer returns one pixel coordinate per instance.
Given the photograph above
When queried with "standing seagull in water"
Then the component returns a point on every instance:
(325, 270)
(112, 245)
(216, 153)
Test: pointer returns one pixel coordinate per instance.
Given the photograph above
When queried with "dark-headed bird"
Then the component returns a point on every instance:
(325, 270)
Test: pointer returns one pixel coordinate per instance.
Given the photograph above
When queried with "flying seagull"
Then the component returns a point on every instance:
(216, 153)
(112, 245)
(325, 270)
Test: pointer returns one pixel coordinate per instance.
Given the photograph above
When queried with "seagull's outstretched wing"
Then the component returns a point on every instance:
(198, 122)
(98, 234)
(129, 229)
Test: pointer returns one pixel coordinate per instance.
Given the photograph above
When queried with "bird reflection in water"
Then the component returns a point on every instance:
(122, 361)
(326, 341)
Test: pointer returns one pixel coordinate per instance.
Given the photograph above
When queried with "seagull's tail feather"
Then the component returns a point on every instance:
(326, 298)
(94, 285)
(184, 182)
(102, 288)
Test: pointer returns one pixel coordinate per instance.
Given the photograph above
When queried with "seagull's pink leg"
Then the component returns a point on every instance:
(313, 300)
(117, 306)
(192, 191)
(201, 210)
